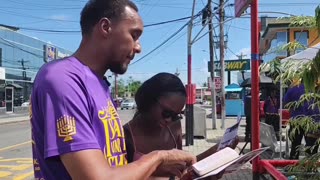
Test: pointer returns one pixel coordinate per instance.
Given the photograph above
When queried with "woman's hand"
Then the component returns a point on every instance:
(170, 170)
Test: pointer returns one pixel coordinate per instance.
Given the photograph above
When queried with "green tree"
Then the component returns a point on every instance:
(309, 73)
(121, 88)
(133, 85)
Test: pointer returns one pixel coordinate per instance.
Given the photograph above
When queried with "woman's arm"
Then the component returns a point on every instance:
(91, 164)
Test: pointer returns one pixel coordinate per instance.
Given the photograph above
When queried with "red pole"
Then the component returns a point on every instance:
(189, 104)
(255, 77)
(282, 163)
(273, 171)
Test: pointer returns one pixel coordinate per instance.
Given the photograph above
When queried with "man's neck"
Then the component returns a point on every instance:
(90, 57)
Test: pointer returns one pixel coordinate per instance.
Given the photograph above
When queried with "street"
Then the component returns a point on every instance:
(15, 148)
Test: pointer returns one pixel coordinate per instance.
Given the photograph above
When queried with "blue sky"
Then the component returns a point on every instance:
(65, 14)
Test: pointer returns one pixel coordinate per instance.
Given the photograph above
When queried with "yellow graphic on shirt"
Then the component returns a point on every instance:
(66, 126)
(115, 150)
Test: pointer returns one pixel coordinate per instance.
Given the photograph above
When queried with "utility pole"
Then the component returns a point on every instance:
(24, 78)
(115, 86)
(177, 72)
(221, 27)
(211, 48)
(190, 93)
(242, 72)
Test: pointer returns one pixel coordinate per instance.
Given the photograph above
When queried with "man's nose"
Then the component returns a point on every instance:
(137, 47)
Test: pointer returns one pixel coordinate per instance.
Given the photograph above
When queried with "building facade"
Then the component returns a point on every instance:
(21, 57)
(275, 33)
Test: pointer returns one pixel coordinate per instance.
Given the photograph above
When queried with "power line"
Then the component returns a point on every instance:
(169, 21)
(164, 42)
(168, 45)
(78, 31)
(232, 51)
(35, 17)
(8, 43)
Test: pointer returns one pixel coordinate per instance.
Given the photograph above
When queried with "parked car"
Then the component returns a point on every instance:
(25, 104)
(128, 104)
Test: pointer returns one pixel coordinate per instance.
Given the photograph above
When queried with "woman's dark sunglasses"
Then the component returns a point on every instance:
(167, 113)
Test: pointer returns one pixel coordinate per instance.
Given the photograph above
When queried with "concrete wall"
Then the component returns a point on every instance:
(20, 110)
(2, 110)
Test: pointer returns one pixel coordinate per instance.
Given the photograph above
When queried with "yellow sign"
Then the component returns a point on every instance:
(66, 126)
(233, 65)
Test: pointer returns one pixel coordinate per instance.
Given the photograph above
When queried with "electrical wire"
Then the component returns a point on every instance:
(165, 41)
(160, 45)
(78, 31)
(232, 51)
(8, 43)
(168, 45)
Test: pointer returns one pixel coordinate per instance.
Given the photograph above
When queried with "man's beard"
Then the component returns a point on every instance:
(119, 68)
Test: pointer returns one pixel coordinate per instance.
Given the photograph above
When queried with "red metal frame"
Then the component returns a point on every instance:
(270, 167)
(255, 84)
(260, 166)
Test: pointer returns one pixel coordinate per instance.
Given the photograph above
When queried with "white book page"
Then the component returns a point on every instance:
(237, 163)
(215, 161)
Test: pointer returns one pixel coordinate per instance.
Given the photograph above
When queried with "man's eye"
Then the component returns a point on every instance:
(134, 36)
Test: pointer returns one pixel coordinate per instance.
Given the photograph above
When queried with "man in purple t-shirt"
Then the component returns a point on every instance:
(76, 130)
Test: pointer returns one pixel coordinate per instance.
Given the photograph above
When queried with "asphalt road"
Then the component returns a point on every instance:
(15, 148)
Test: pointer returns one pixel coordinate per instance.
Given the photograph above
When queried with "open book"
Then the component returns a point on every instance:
(226, 159)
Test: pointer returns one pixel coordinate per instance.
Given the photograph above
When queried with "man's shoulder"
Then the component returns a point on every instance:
(60, 71)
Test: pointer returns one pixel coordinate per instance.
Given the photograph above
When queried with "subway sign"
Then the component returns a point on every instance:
(232, 65)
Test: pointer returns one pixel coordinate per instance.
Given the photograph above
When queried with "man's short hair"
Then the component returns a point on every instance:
(94, 10)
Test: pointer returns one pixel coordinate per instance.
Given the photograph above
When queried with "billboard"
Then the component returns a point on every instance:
(234, 65)
(50, 53)
(240, 6)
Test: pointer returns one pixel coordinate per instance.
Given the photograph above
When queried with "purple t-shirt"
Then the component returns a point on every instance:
(72, 110)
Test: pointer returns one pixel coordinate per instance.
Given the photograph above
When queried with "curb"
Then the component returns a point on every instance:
(5, 121)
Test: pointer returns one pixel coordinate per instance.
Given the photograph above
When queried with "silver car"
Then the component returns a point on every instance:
(128, 104)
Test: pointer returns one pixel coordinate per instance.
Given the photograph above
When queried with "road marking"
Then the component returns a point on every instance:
(4, 174)
(29, 160)
(17, 168)
(14, 146)
(23, 176)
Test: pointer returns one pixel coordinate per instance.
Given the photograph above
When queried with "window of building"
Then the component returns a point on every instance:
(302, 38)
(282, 39)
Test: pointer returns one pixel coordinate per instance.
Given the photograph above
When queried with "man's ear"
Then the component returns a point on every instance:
(105, 26)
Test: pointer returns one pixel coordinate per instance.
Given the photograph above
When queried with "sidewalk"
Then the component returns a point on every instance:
(13, 118)
(213, 137)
